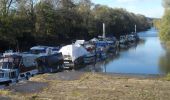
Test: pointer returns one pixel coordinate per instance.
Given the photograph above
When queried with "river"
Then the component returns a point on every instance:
(146, 57)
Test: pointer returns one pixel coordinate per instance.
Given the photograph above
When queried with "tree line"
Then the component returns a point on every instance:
(163, 24)
(24, 23)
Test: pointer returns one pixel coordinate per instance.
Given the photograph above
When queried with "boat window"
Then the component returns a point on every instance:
(6, 74)
(5, 65)
(55, 49)
(1, 75)
(67, 56)
(12, 75)
(16, 63)
(59, 54)
(10, 65)
(1, 64)
(38, 51)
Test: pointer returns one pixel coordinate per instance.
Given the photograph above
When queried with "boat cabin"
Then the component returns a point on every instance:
(80, 42)
(73, 55)
(8, 76)
(50, 63)
(25, 64)
(123, 39)
(10, 62)
(44, 50)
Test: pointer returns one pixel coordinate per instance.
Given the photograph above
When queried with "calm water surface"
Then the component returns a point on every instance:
(146, 57)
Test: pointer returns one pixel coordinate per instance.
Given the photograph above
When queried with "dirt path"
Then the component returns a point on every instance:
(92, 86)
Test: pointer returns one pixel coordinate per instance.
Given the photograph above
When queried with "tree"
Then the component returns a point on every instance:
(165, 22)
(165, 26)
(24, 23)
(157, 23)
(5, 6)
(166, 4)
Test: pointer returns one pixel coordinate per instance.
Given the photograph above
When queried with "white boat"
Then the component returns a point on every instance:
(25, 64)
(49, 59)
(94, 40)
(123, 40)
(44, 50)
(80, 42)
(131, 38)
(8, 76)
(73, 55)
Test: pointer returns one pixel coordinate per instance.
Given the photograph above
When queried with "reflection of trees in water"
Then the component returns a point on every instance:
(132, 45)
(98, 67)
(141, 41)
(116, 55)
(164, 63)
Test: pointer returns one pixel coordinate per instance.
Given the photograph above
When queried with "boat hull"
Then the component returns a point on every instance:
(50, 63)
(79, 62)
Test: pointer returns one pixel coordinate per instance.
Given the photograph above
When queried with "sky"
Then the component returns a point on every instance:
(149, 8)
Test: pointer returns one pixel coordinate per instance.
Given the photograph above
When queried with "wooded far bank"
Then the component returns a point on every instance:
(163, 24)
(24, 23)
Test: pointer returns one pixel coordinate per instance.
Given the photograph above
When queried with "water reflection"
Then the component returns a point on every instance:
(102, 65)
(164, 63)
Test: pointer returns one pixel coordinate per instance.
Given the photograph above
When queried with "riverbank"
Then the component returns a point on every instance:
(88, 86)
(167, 45)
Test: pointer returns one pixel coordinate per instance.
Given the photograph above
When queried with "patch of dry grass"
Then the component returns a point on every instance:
(100, 87)
(4, 92)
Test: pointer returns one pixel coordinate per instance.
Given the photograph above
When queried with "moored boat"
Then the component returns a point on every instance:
(123, 39)
(50, 63)
(90, 58)
(43, 50)
(8, 76)
(73, 55)
(24, 64)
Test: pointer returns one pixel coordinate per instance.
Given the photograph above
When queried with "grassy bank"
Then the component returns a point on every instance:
(88, 86)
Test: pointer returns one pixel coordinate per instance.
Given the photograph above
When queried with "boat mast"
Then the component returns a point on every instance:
(104, 36)
(135, 28)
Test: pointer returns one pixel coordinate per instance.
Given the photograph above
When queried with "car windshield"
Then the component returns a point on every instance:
(5, 65)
